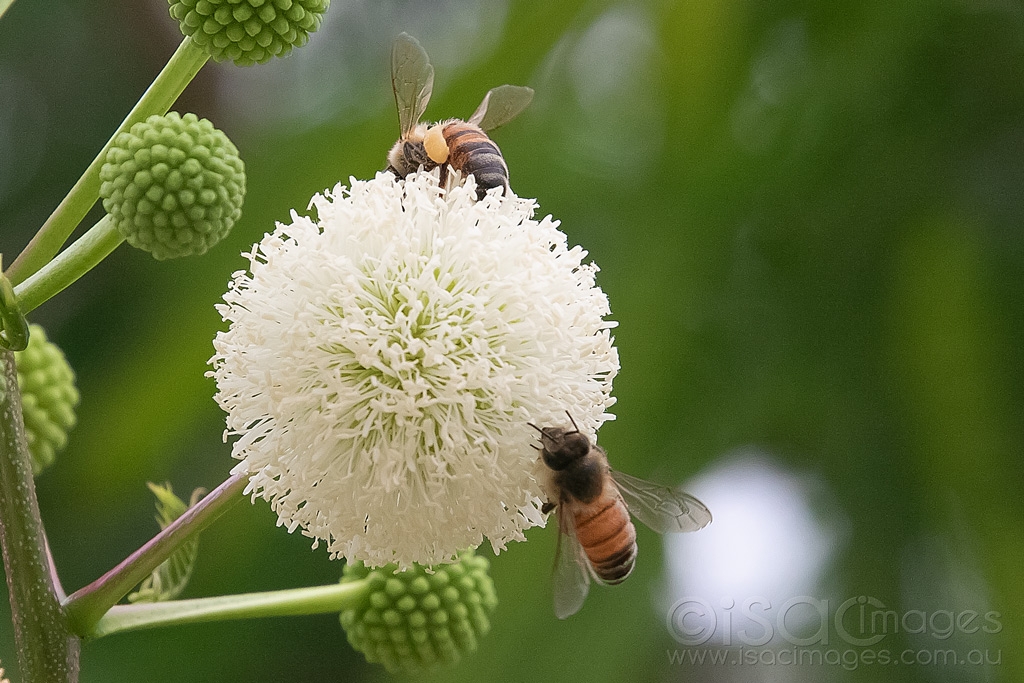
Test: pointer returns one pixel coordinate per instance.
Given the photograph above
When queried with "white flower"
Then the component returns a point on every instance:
(383, 363)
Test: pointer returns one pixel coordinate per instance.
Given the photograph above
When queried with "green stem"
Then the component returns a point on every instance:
(47, 650)
(86, 606)
(182, 67)
(72, 263)
(13, 326)
(294, 602)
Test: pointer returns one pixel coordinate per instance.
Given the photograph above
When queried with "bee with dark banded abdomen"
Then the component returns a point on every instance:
(462, 145)
(597, 538)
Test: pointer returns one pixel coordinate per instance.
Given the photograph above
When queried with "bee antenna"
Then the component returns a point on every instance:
(535, 427)
(572, 420)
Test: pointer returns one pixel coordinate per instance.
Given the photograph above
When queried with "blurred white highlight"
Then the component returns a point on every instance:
(766, 543)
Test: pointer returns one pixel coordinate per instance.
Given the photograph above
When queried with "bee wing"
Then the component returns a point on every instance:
(572, 570)
(501, 105)
(661, 508)
(412, 79)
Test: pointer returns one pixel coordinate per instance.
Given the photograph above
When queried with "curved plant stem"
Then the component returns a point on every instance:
(72, 263)
(86, 606)
(13, 326)
(294, 602)
(182, 67)
(47, 650)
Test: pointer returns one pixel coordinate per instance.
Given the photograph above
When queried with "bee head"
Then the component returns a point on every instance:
(408, 153)
(561, 447)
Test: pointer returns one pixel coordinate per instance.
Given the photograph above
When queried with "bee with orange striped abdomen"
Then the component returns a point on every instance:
(462, 145)
(597, 538)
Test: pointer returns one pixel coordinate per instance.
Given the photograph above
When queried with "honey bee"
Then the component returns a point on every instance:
(597, 538)
(463, 145)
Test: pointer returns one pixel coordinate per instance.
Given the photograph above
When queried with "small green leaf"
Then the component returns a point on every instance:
(169, 579)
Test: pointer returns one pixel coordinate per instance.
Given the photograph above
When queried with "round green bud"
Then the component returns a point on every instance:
(174, 185)
(414, 620)
(48, 397)
(248, 31)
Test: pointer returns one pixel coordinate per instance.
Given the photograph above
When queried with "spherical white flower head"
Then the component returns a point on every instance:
(383, 363)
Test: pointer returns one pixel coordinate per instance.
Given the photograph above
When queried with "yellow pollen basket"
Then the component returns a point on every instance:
(435, 144)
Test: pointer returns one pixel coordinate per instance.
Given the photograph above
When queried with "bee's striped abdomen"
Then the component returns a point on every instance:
(471, 151)
(608, 537)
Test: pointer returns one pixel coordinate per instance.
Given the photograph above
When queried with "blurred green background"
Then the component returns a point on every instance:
(808, 218)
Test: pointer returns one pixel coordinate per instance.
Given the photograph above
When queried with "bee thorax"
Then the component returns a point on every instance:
(583, 479)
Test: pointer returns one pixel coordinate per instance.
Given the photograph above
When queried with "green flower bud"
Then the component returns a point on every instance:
(248, 31)
(413, 620)
(48, 397)
(174, 185)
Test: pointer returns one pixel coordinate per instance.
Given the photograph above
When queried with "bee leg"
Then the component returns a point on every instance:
(547, 507)
(443, 182)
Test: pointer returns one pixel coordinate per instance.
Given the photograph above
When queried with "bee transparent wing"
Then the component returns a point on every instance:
(572, 570)
(412, 79)
(501, 105)
(661, 508)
